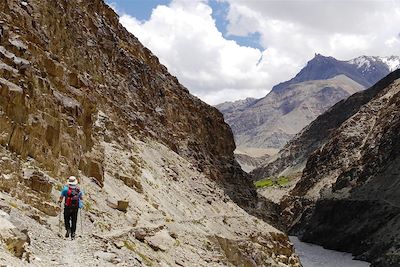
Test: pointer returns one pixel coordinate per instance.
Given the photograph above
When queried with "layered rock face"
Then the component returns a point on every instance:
(347, 197)
(60, 70)
(80, 95)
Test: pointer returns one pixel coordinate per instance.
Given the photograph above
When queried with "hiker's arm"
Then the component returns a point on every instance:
(62, 195)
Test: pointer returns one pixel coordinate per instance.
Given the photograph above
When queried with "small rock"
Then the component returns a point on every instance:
(116, 260)
(160, 241)
(5, 208)
(122, 205)
(173, 234)
(140, 234)
(106, 256)
(180, 262)
(119, 244)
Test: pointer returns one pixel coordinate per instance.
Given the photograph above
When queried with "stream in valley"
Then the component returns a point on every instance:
(316, 256)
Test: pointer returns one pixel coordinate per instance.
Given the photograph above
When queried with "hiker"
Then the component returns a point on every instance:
(73, 201)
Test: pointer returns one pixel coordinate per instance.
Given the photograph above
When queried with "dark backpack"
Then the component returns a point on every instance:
(72, 199)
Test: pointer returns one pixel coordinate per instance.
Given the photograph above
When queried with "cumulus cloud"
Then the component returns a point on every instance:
(185, 38)
(342, 29)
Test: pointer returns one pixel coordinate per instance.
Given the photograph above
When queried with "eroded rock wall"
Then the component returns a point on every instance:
(347, 197)
(80, 95)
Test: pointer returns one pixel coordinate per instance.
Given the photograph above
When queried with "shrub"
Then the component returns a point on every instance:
(264, 183)
(271, 181)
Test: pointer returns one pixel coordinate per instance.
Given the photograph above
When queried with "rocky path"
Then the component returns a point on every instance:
(64, 251)
(71, 250)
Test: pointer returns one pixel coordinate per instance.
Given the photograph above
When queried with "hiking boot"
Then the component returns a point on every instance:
(72, 236)
(67, 234)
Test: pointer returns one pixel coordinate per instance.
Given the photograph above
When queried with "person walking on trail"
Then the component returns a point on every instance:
(73, 201)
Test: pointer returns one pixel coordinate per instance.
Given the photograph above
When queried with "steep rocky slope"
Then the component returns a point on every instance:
(293, 157)
(347, 198)
(249, 163)
(80, 95)
(236, 106)
(273, 120)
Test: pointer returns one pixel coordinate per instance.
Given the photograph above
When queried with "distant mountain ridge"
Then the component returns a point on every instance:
(236, 105)
(365, 70)
(271, 121)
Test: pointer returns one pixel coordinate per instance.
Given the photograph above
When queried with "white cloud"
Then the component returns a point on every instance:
(342, 29)
(185, 38)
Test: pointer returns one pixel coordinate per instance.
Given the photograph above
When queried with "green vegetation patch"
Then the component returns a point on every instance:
(264, 183)
(129, 245)
(282, 180)
(147, 261)
(271, 181)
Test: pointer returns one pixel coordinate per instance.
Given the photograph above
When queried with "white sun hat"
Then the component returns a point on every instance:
(72, 180)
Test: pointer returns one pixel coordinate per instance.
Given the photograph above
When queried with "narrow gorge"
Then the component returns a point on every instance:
(345, 164)
(80, 95)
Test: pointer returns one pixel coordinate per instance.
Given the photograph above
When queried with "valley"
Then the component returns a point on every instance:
(307, 175)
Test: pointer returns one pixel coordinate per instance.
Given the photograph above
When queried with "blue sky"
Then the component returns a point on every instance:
(224, 50)
(142, 9)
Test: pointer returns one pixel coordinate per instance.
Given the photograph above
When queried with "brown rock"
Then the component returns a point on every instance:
(40, 183)
(122, 205)
(95, 170)
(131, 181)
(140, 234)
(7, 182)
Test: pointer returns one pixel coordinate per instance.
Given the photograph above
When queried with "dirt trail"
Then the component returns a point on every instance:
(71, 250)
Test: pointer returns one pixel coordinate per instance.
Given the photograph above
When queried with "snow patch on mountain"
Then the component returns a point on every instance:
(361, 61)
(392, 62)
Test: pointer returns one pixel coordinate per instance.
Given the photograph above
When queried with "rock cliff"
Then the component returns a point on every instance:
(80, 95)
(292, 157)
(347, 196)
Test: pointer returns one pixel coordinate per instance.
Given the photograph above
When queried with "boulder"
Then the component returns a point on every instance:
(131, 181)
(7, 182)
(160, 241)
(95, 170)
(40, 183)
(14, 239)
(122, 205)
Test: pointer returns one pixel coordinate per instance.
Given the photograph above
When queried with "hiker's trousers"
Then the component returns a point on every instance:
(70, 218)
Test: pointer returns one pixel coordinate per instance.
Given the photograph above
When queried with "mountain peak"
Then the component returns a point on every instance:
(365, 70)
(320, 56)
